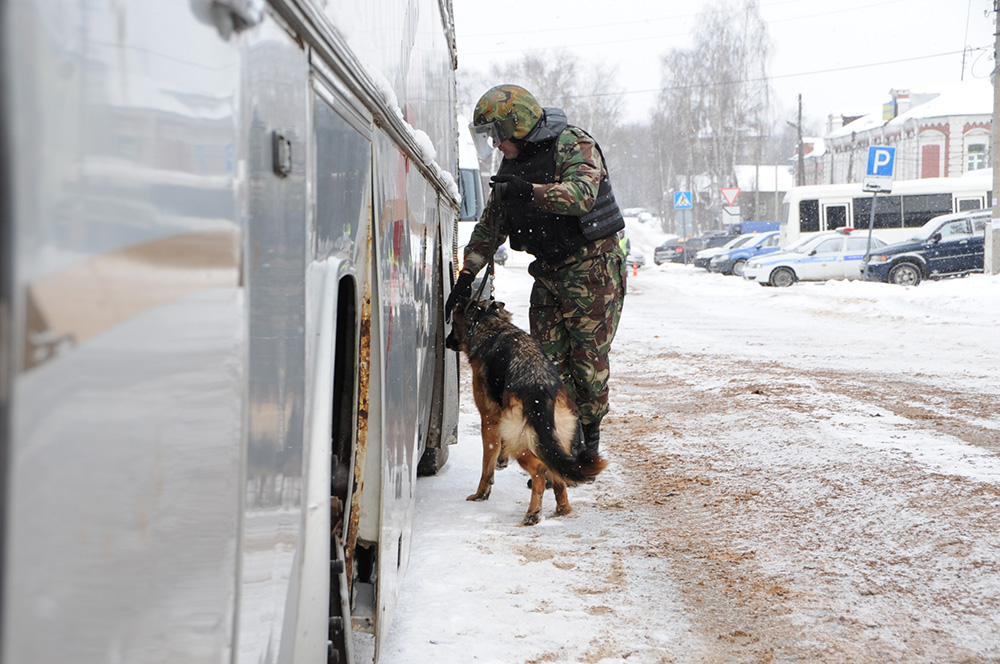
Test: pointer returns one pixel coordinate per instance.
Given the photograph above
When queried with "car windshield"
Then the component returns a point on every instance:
(798, 247)
(735, 242)
(741, 241)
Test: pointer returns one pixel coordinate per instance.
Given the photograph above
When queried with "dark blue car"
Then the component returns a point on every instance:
(947, 246)
(732, 261)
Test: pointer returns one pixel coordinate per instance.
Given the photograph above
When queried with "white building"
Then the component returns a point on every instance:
(935, 135)
(762, 187)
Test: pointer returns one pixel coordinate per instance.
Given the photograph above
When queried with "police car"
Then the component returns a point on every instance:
(829, 255)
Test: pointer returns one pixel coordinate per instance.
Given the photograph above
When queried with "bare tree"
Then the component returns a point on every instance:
(713, 110)
(589, 93)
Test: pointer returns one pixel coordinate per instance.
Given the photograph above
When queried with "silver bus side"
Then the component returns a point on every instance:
(222, 358)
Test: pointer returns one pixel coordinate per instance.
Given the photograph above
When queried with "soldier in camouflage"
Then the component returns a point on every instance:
(552, 198)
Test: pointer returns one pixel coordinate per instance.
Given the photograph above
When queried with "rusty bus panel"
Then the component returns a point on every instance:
(361, 438)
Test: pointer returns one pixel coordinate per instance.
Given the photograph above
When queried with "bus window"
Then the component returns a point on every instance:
(920, 208)
(969, 204)
(836, 216)
(809, 216)
(472, 194)
(888, 212)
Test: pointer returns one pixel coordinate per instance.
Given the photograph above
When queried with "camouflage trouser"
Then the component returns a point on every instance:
(574, 313)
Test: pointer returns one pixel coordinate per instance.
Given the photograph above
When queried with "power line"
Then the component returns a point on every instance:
(678, 17)
(760, 79)
(509, 33)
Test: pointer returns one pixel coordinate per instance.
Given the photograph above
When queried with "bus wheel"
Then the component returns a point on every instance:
(782, 277)
(738, 267)
(905, 274)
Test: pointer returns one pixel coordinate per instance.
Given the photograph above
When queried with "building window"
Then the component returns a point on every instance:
(976, 157)
(930, 161)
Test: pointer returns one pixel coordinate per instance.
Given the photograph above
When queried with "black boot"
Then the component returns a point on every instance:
(591, 437)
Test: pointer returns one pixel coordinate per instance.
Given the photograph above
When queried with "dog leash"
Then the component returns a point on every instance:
(490, 269)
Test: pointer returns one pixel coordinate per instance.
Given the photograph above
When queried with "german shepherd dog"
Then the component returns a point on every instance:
(524, 408)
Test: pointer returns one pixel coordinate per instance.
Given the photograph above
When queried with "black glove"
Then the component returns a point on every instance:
(462, 289)
(511, 188)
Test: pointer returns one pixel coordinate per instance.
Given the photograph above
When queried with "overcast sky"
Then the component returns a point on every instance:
(842, 57)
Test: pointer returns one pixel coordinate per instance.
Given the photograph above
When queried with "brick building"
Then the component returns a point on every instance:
(935, 135)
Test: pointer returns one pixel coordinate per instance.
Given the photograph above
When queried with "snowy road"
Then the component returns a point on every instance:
(798, 475)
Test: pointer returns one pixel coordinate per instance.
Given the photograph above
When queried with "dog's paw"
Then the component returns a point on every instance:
(563, 511)
(531, 518)
(479, 496)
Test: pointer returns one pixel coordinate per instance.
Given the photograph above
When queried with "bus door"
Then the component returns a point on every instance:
(835, 215)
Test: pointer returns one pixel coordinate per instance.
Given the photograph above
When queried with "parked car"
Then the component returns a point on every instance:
(702, 258)
(947, 246)
(734, 259)
(666, 252)
(706, 240)
(635, 260)
(829, 255)
(500, 257)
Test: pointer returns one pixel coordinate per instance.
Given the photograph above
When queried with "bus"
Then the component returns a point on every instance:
(814, 208)
(227, 238)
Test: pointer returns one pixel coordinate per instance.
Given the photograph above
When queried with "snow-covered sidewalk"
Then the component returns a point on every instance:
(802, 474)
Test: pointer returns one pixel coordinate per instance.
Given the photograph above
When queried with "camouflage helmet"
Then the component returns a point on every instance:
(505, 112)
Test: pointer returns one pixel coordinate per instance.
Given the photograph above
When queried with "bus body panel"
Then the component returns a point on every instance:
(410, 44)
(129, 337)
(274, 113)
(204, 220)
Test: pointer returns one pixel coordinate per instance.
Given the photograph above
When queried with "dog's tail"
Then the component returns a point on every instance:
(553, 431)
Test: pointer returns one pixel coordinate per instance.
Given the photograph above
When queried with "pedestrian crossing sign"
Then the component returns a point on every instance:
(682, 200)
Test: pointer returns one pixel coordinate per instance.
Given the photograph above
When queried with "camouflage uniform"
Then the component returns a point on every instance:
(576, 301)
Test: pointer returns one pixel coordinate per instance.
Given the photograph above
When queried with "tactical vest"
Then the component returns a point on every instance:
(549, 235)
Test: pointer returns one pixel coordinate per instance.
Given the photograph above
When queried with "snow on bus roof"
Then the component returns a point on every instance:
(425, 146)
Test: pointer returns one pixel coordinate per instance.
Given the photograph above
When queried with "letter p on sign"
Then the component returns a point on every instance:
(881, 161)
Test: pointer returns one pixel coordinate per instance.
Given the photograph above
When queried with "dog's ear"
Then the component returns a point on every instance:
(460, 304)
(498, 310)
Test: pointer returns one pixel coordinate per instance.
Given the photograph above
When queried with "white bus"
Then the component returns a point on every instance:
(227, 236)
(815, 208)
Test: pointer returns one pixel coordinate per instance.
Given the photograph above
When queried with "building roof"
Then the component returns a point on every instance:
(973, 97)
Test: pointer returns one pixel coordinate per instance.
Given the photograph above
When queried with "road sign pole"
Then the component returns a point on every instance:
(991, 246)
(871, 228)
(878, 177)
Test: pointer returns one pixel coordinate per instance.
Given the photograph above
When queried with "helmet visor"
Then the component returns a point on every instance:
(482, 138)
(487, 136)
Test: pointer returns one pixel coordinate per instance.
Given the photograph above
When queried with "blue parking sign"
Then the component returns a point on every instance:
(881, 161)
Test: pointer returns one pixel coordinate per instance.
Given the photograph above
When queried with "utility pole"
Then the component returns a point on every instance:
(800, 170)
(992, 248)
(801, 179)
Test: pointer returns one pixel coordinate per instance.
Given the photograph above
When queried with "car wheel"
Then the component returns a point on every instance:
(905, 274)
(738, 267)
(783, 277)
